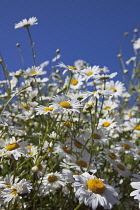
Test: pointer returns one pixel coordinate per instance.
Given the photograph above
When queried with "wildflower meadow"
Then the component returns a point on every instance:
(69, 134)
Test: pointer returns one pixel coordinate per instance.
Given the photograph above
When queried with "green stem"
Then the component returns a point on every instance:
(32, 46)
(78, 206)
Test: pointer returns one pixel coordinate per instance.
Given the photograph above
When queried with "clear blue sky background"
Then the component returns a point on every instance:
(82, 29)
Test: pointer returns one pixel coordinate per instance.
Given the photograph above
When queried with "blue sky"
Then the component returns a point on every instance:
(82, 29)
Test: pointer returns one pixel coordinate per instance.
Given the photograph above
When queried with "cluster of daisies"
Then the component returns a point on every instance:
(69, 138)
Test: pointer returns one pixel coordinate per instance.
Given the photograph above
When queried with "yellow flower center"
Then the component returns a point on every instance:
(138, 152)
(82, 163)
(46, 109)
(107, 107)
(126, 146)
(121, 167)
(101, 84)
(137, 128)
(52, 178)
(26, 25)
(106, 124)
(65, 105)
(89, 73)
(14, 191)
(96, 186)
(8, 185)
(12, 146)
(113, 89)
(65, 148)
(33, 72)
(129, 114)
(26, 106)
(78, 144)
(67, 124)
(29, 146)
(74, 82)
(96, 136)
(31, 153)
(112, 155)
(72, 67)
(50, 149)
(84, 131)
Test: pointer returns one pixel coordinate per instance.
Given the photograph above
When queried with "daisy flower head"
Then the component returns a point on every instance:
(15, 148)
(51, 182)
(76, 82)
(90, 72)
(63, 150)
(111, 155)
(136, 44)
(107, 124)
(43, 110)
(26, 23)
(121, 168)
(106, 76)
(80, 64)
(72, 69)
(126, 147)
(117, 88)
(18, 189)
(63, 104)
(34, 71)
(94, 192)
(99, 137)
(8, 181)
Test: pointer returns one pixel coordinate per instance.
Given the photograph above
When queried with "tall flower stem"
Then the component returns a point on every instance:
(32, 46)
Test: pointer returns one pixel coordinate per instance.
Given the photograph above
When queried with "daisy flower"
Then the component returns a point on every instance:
(99, 137)
(51, 182)
(83, 163)
(34, 71)
(111, 155)
(117, 88)
(68, 68)
(80, 64)
(126, 147)
(109, 105)
(14, 147)
(90, 72)
(106, 76)
(136, 44)
(75, 83)
(18, 189)
(94, 192)
(8, 181)
(26, 23)
(63, 150)
(63, 104)
(107, 124)
(43, 110)
(121, 168)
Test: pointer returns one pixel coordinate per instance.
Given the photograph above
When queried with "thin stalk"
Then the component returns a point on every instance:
(32, 46)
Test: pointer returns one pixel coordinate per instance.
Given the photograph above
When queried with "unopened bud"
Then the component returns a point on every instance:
(35, 169)
(57, 51)
(125, 71)
(126, 34)
(135, 30)
(17, 45)
(119, 55)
